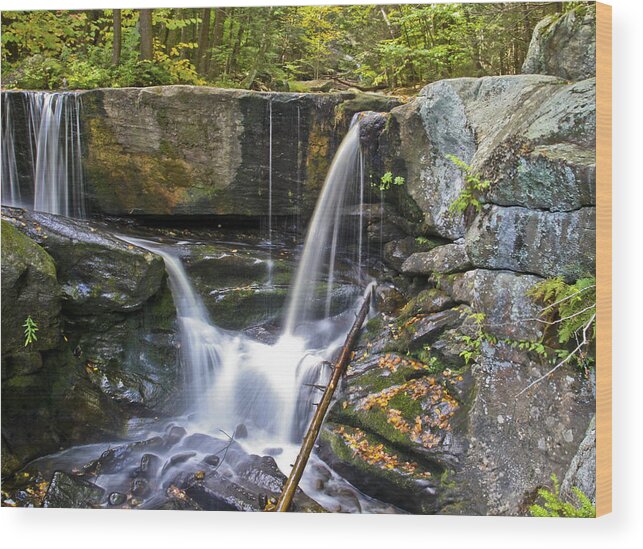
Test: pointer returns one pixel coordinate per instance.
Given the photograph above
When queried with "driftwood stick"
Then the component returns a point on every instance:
(291, 484)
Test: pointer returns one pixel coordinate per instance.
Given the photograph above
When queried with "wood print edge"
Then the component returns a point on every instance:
(604, 259)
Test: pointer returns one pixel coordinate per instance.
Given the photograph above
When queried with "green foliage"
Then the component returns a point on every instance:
(31, 328)
(554, 506)
(474, 187)
(392, 46)
(571, 309)
(424, 356)
(476, 336)
(387, 180)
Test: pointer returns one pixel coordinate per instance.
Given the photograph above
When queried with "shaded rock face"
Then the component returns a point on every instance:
(184, 150)
(565, 45)
(517, 443)
(118, 357)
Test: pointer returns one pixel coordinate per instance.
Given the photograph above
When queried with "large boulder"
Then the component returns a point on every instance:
(194, 150)
(564, 45)
(446, 259)
(531, 136)
(518, 440)
(532, 241)
(118, 357)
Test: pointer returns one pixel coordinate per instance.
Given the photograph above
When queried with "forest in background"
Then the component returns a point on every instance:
(280, 48)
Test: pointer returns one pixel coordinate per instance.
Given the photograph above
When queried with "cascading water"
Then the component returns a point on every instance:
(324, 232)
(10, 181)
(54, 142)
(233, 379)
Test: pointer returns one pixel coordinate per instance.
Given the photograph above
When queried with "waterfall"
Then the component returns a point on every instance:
(231, 378)
(326, 227)
(53, 139)
(10, 181)
(270, 261)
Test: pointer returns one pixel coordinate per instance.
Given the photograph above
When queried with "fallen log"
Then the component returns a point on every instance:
(288, 492)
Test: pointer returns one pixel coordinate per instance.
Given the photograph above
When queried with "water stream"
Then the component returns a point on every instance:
(52, 132)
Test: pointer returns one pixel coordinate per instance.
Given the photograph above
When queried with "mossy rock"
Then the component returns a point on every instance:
(29, 288)
(378, 469)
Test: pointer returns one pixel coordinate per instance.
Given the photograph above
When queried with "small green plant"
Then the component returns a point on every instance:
(571, 309)
(31, 328)
(554, 506)
(422, 240)
(474, 187)
(387, 180)
(473, 343)
(425, 357)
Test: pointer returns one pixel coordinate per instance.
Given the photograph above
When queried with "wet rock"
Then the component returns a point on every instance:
(116, 499)
(214, 162)
(383, 232)
(122, 457)
(564, 45)
(150, 464)
(140, 488)
(273, 451)
(396, 252)
(240, 432)
(71, 492)
(388, 299)
(378, 470)
(256, 479)
(174, 435)
(443, 259)
(430, 301)
(96, 270)
(111, 294)
(177, 459)
(547, 244)
(29, 288)
(424, 329)
(212, 460)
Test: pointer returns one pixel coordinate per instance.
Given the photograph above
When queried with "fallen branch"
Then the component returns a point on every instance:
(291, 484)
(565, 360)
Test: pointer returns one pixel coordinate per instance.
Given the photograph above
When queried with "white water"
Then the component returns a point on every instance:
(54, 142)
(324, 233)
(10, 181)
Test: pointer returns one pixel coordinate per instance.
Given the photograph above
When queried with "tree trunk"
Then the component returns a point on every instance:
(203, 56)
(116, 48)
(145, 28)
(217, 39)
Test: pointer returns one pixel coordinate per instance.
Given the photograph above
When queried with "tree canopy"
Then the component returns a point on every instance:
(268, 48)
